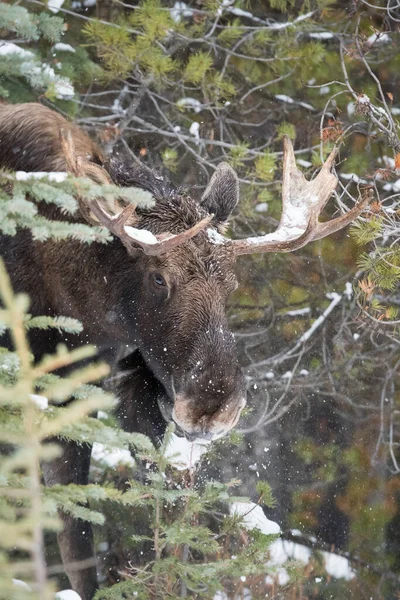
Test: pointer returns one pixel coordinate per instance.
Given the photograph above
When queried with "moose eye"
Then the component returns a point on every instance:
(159, 280)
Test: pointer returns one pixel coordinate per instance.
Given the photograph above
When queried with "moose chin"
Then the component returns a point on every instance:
(160, 286)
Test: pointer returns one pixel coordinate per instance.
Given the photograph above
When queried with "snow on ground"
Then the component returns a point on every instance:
(254, 517)
(184, 454)
(112, 457)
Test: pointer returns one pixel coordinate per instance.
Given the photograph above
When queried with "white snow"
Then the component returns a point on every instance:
(261, 207)
(184, 454)
(325, 89)
(281, 575)
(298, 312)
(215, 237)
(112, 456)
(191, 103)
(284, 98)
(269, 375)
(378, 38)
(395, 110)
(254, 517)
(348, 290)
(287, 375)
(194, 129)
(283, 550)
(304, 163)
(41, 401)
(63, 47)
(351, 108)
(363, 99)
(338, 566)
(21, 584)
(321, 35)
(64, 88)
(67, 595)
(179, 10)
(55, 5)
(220, 596)
(89, 3)
(141, 235)
(7, 48)
(304, 372)
(57, 176)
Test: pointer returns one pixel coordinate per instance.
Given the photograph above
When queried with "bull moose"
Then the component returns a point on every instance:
(163, 292)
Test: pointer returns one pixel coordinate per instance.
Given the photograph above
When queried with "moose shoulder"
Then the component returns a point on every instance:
(163, 292)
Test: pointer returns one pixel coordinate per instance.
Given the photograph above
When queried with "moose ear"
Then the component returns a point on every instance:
(222, 193)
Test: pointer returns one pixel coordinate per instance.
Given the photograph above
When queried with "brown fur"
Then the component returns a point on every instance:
(185, 364)
(29, 139)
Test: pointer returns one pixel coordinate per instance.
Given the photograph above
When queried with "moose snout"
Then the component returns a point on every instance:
(197, 424)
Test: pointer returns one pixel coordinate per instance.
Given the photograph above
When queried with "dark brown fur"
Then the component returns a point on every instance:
(185, 364)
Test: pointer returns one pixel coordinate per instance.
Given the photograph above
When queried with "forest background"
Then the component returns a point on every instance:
(185, 85)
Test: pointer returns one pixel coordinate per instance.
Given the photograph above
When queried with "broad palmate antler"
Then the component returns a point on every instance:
(302, 202)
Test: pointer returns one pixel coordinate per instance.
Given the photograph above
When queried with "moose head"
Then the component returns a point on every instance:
(184, 274)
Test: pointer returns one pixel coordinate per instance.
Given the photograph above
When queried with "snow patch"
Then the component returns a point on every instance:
(57, 176)
(254, 517)
(141, 235)
(348, 290)
(60, 47)
(192, 103)
(21, 584)
(325, 89)
(284, 98)
(67, 595)
(261, 207)
(7, 48)
(321, 35)
(184, 454)
(194, 129)
(378, 38)
(215, 237)
(338, 566)
(112, 457)
(41, 401)
(304, 163)
(179, 10)
(55, 5)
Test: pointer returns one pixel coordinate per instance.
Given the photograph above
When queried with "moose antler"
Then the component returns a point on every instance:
(303, 202)
(121, 224)
(152, 245)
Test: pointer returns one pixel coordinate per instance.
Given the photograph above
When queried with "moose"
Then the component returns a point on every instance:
(160, 286)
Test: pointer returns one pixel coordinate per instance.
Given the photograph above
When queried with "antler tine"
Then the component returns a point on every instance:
(77, 165)
(302, 203)
(133, 238)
